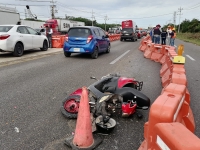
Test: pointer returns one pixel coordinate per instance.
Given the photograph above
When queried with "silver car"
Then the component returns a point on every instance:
(18, 38)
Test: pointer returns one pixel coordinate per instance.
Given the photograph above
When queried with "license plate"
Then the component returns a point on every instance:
(76, 49)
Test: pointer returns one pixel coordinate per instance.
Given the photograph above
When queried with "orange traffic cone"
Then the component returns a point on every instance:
(83, 137)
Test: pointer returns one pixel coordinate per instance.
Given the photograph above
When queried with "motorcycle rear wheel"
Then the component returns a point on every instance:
(70, 106)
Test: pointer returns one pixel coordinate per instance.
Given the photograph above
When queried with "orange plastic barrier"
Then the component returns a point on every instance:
(165, 66)
(165, 53)
(157, 53)
(144, 42)
(57, 41)
(180, 137)
(179, 78)
(169, 107)
(143, 45)
(149, 50)
(62, 40)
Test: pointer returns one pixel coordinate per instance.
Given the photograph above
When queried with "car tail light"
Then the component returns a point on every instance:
(3, 37)
(89, 38)
(66, 37)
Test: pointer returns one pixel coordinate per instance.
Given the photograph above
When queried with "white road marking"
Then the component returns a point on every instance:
(175, 46)
(118, 58)
(190, 57)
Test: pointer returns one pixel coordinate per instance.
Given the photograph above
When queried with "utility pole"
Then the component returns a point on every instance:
(53, 10)
(92, 17)
(105, 18)
(179, 10)
(174, 18)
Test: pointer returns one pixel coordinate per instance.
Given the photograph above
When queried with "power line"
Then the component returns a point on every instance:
(19, 4)
(193, 7)
(143, 17)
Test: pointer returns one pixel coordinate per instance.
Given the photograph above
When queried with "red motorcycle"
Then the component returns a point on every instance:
(108, 94)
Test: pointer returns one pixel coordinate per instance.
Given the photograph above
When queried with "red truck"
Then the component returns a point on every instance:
(61, 26)
(128, 31)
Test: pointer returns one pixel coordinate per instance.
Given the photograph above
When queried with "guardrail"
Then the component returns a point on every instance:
(171, 123)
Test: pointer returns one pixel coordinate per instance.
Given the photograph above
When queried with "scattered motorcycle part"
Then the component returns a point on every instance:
(70, 106)
(103, 127)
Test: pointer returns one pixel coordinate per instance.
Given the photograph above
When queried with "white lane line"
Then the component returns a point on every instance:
(118, 58)
(190, 57)
(175, 46)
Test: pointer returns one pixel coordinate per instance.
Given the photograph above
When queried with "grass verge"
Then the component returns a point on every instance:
(189, 37)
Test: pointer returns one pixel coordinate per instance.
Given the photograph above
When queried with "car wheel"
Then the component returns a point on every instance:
(19, 50)
(95, 54)
(45, 46)
(133, 39)
(108, 49)
(136, 39)
(121, 39)
(67, 54)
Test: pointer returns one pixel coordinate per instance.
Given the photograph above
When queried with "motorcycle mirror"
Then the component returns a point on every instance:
(93, 78)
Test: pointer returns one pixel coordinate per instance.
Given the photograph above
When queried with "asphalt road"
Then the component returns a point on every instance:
(32, 91)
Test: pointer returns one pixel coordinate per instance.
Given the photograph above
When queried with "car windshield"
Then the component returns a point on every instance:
(5, 28)
(127, 30)
(38, 30)
(79, 32)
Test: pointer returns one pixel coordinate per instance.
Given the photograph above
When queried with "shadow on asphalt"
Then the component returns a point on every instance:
(27, 52)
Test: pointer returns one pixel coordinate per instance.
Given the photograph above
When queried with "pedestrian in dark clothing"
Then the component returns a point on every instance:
(49, 32)
(173, 36)
(156, 32)
(163, 37)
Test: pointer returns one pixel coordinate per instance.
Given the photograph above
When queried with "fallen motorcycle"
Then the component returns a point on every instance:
(107, 95)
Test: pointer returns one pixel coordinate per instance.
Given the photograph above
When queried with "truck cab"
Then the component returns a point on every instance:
(53, 23)
(128, 31)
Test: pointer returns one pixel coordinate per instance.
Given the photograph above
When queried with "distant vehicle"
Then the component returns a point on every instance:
(9, 16)
(144, 32)
(86, 39)
(32, 23)
(61, 26)
(18, 38)
(114, 31)
(128, 31)
(12, 17)
(139, 34)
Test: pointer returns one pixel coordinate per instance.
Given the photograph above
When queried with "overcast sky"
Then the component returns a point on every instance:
(144, 12)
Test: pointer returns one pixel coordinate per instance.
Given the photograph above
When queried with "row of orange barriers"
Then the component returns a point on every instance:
(171, 123)
(114, 37)
(58, 40)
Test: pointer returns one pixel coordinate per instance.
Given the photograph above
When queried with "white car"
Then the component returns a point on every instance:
(18, 38)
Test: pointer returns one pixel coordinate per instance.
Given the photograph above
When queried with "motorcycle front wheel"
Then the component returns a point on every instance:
(70, 106)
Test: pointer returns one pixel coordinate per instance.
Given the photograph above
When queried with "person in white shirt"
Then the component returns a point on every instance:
(49, 33)
(169, 30)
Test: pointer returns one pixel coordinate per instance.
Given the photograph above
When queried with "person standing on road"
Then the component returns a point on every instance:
(163, 37)
(156, 32)
(151, 35)
(49, 32)
(172, 38)
(168, 34)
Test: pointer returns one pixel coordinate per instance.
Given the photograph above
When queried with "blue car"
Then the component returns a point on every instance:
(86, 39)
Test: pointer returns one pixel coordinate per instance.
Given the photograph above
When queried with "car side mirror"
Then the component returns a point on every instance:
(106, 36)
